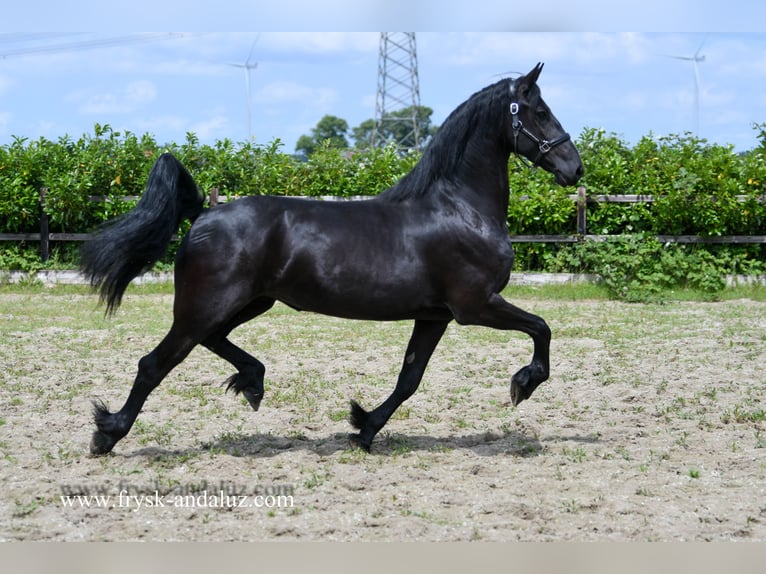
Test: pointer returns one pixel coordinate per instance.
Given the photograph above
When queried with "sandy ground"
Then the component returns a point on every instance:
(650, 428)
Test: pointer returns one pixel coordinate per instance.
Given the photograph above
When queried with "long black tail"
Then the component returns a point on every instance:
(132, 243)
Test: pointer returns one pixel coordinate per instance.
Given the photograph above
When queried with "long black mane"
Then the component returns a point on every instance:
(482, 114)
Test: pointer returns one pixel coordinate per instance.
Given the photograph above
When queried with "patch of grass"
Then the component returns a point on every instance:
(578, 454)
(6, 454)
(744, 412)
(575, 291)
(338, 415)
(571, 506)
(352, 456)
(154, 434)
(192, 391)
(752, 292)
(399, 445)
(403, 413)
(316, 479)
(23, 508)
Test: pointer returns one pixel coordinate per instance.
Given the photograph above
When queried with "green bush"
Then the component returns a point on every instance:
(699, 189)
(639, 268)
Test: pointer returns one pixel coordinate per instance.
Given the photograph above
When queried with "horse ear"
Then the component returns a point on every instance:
(532, 76)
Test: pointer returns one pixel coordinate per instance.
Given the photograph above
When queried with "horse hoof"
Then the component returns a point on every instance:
(519, 389)
(253, 398)
(515, 394)
(357, 442)
(101, 443)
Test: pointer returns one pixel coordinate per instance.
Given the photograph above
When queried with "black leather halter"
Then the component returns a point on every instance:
(543, 146)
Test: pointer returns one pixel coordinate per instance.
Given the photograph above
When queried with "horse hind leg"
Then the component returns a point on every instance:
(425, 336)
(152, 369)
(248, 380)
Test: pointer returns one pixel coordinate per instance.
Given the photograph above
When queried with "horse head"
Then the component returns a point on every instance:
(536, 135)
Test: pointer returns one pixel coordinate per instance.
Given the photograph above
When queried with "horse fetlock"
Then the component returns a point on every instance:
(251, 387)
(108, 430)
(360, 419)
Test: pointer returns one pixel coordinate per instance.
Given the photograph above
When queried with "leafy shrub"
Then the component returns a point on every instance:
(698, 188)
(639, 268)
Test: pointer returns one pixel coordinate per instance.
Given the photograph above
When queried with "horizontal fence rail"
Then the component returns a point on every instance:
(581, 199)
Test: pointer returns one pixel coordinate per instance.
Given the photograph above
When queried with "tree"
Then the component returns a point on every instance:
(396, 127)
(362, 134)
(330, 129)
(761, 129)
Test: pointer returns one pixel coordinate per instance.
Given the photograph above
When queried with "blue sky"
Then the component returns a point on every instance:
(54, 83)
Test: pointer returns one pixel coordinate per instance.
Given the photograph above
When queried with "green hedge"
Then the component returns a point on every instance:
(696, 186)
(108, 163)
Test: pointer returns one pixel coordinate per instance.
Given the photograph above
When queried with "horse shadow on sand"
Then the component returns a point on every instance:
(387, 444)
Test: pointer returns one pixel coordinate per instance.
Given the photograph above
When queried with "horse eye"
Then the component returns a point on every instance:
(542, 113)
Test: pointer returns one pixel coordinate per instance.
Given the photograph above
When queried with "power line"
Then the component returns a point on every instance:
(89, 44)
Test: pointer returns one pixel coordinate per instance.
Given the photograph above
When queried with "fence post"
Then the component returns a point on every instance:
(45, 240)
(213, 196)
(582, 205)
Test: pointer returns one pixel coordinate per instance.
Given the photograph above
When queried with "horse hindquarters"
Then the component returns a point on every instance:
(212, 297)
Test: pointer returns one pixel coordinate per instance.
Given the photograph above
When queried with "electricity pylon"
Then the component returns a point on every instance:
(398, 89)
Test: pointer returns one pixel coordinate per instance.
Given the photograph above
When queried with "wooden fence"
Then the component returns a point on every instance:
(581, 198)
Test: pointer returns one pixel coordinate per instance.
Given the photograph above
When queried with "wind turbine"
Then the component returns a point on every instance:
(247, 66)
(696, 59)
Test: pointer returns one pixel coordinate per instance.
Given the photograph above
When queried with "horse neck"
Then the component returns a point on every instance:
(483, 175)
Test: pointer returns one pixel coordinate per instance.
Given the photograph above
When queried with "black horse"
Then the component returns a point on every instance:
(432, 248)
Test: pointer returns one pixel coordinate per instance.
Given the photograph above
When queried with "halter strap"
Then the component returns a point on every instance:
(543, 146)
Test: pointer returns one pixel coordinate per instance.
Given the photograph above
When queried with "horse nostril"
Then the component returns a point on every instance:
(580, 171)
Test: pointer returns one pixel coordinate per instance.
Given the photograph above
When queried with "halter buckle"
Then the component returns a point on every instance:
(514, 108)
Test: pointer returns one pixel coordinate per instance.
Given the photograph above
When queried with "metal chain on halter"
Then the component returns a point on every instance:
(543, 146)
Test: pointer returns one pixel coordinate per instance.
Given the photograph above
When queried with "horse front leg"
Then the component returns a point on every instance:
(425, 336)
(498, 313)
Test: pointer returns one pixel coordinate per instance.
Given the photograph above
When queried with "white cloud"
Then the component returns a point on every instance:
(134, 95)
(291, 92)
(635, 100)
(140, 92)
(624, 48)
(319, 42)
(213, 127)
(216, 66)
(5, 121)
(513, 51)
(5, 83)
(163, 123)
